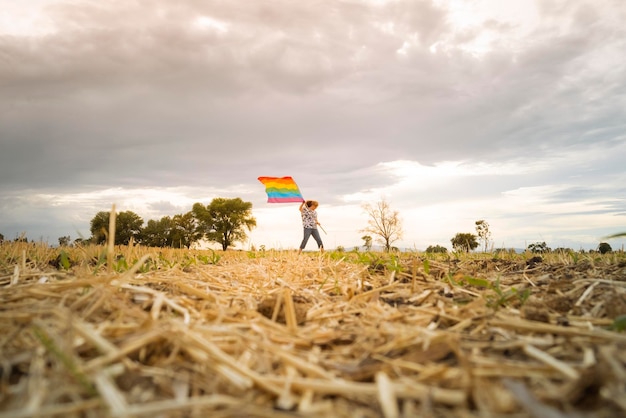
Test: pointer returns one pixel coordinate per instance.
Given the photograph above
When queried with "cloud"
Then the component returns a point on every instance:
(145, 98)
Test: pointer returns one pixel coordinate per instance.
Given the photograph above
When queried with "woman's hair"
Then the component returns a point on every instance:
(310, 203)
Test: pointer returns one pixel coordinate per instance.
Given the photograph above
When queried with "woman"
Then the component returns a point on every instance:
(310, 223)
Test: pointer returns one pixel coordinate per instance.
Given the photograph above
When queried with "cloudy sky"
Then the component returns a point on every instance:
(453, 111)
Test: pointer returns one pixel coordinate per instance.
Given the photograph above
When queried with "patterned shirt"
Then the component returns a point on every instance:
(309, 217)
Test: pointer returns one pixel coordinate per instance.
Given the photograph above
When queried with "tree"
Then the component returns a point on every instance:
(127, 225)
(482, 229)
(383, 223)
(1, 238)
(367, 242)
(157, 233)
(604, 248)
(224, 220)
(464, 241)
(185, 231)
(99, 227)
(538, 247)
(436, 249)
(64, 241)
(181, 231)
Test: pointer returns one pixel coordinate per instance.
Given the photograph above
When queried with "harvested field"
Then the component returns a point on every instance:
(173, 333)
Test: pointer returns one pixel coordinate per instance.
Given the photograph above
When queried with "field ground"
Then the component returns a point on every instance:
(133, 332)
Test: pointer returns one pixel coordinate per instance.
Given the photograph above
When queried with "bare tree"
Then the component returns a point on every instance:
(482, 229)
(383, 223)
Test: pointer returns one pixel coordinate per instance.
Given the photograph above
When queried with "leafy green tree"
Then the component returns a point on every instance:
(99, 227)
(383, 223)
(482, 229)
(64, 241)
(157, 233)
(185, 231)
(436, 249)
(224, 220)
(464, 241)
(367, 242)
(127, 225)
(604, 248)
(180, 231)
(538, 247)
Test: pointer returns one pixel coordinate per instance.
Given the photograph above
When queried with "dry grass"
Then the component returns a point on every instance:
(172, 333)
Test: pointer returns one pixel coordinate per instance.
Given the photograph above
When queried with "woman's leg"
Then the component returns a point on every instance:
(317, 238)
(307, 234)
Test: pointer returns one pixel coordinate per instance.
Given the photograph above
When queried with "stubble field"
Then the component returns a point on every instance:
(134, 331)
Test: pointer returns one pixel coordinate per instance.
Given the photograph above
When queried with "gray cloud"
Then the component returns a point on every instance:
(159, 94)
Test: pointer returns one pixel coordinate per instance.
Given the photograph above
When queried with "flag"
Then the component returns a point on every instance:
(281, 190)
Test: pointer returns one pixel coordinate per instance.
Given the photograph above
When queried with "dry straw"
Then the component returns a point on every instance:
(275, 334)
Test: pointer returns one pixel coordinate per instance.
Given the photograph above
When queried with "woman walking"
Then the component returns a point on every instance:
(310, 223)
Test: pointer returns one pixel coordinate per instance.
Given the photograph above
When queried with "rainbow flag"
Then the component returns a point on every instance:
(281, 190)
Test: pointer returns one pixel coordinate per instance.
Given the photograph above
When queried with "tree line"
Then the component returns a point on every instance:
(223, 221)
(467, 241)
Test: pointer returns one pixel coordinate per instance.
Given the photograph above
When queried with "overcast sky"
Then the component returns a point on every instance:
(453, 111)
